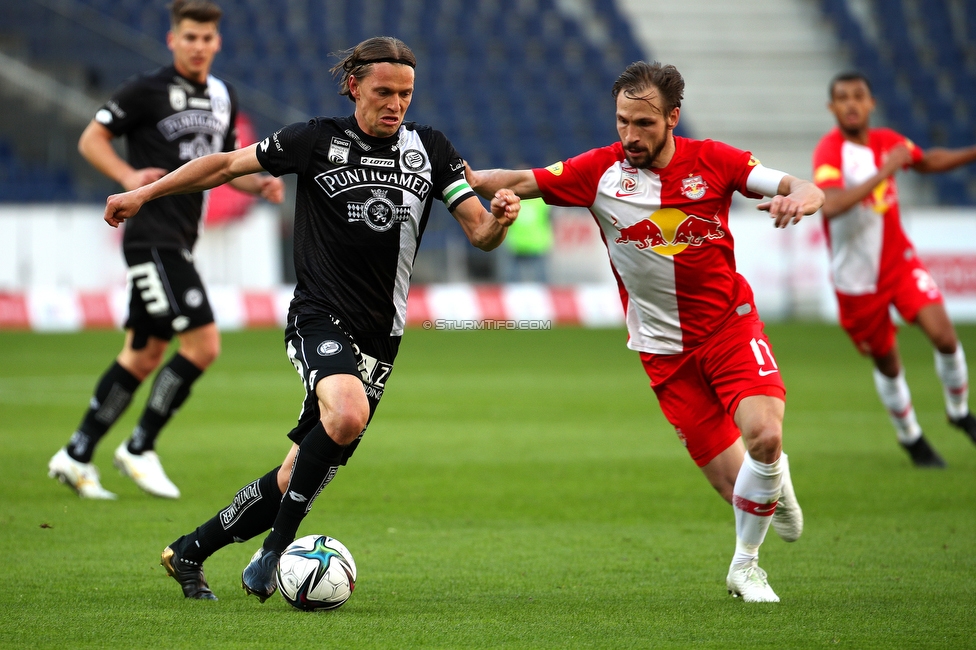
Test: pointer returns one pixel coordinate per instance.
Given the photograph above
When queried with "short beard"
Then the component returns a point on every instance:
(651, 156)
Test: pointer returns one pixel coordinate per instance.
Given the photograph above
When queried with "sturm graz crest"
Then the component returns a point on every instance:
(378, 212)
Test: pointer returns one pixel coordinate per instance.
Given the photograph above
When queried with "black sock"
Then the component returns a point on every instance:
(252, 512)
(169, 391)
(317, 462)
(113, 392)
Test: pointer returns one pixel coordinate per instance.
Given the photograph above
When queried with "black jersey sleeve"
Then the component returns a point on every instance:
(448, 171)
(126, 108)
(289, 149)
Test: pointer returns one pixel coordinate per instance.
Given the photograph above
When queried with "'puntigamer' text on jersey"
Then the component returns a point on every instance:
(169, 120)
(362, 206)
(867, 242)
(667, 233)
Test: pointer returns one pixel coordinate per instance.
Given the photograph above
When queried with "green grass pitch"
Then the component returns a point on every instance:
(516, 489)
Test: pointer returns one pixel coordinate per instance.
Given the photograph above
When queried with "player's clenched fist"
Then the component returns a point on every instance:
(119, 207)
(505, 205)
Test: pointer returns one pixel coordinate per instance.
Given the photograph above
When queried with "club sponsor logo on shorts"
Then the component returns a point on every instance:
(414, 160)
(694, 187)
(378, 162)
(193, 298)
(177, 98)
(180, 323)
(339, 151)
(378, 212)
(328, 348)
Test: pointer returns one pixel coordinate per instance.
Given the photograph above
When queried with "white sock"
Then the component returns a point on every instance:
(754, 499)
(896, 397)
(954, 376)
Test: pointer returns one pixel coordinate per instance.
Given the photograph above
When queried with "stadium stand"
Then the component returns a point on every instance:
(516, 82)
(920, 59)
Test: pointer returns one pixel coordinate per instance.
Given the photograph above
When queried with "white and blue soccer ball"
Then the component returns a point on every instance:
(316, 572)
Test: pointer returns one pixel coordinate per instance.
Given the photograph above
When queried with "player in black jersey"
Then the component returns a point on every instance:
(169, 117)
(365, 188)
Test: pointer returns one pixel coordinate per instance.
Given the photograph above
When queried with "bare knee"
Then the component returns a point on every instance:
(345, 423)
(760, 420)
(765, 442)
(201, 346)
(144, 361)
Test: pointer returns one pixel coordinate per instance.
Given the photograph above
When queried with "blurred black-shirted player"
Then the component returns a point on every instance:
(169, 117)
(365, 188)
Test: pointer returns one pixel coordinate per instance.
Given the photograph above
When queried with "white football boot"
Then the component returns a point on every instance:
(80, 477)
(146, 470)
(748, 581)
(788, 517)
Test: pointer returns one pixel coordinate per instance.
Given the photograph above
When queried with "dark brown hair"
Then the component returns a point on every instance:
(358, 61)
(851, 75)
(202, 11)
(640, 77)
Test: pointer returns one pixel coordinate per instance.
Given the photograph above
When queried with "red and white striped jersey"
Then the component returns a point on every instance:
(667, 235)
(867, 241)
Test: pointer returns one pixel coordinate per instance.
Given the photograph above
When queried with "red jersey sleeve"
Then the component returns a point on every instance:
(573, 183)
(733, 164)
(891, 139)
(827, 162)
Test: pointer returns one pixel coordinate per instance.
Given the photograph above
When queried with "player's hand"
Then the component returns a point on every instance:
(505, 207)
(120, 207)
(140, 177)
(784, 210)
(471, 176)
(272, 189)
(898, 157)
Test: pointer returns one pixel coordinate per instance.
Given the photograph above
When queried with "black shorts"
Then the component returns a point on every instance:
(321, 346)
(166, 295)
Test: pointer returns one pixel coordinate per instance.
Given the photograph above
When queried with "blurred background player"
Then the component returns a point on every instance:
(662, 203)
(169, 117)
(528, 244)
(874, 265)
(366, 184)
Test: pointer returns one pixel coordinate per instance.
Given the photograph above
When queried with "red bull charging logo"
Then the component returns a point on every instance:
(669, 231)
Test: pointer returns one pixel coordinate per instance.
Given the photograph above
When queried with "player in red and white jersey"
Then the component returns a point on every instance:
(662, 204)
(873, 263)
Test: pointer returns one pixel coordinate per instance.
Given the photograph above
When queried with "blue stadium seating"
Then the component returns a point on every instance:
(920, 76)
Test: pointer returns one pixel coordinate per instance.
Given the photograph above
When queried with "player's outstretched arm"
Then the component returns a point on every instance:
(838, 201)
(486, 182)
(942, 160)
(195, 176)
(795, 199)
(486, 230)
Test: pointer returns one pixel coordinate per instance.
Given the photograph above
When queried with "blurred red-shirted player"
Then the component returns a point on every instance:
(662, 204)
(873, 263)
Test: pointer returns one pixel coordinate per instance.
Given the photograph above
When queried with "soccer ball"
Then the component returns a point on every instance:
(316, 572)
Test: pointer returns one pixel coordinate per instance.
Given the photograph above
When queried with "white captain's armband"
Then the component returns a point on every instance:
(765, 181)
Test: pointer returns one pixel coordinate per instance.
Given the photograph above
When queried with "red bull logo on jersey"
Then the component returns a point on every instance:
(693, 187)
(669, 231)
